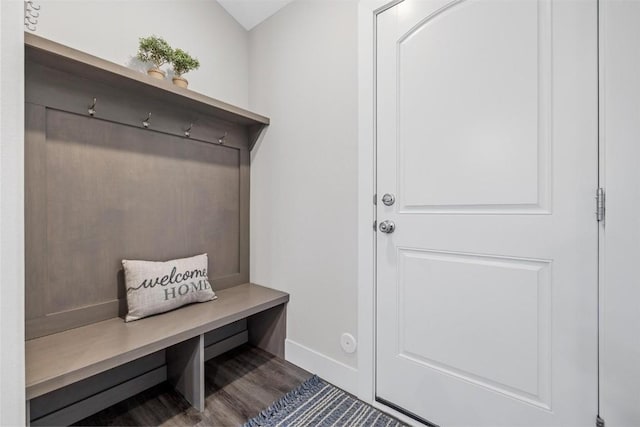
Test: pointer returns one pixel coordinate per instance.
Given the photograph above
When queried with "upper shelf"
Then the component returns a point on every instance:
(62, 57)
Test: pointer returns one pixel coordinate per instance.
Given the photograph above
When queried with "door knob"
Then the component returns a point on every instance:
(388, 199)
(387, 226)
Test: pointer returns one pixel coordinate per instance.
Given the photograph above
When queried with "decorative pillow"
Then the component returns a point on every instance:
(156, 287)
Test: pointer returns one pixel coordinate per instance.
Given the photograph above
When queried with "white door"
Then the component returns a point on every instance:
(487, 138)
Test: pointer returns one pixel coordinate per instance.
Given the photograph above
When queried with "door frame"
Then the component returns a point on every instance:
(368, 11)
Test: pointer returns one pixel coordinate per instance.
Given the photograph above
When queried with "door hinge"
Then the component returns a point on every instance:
(375, 225)
(375, 199)
(599, 421)
(600, 204)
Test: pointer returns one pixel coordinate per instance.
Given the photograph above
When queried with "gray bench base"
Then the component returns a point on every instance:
(64, 399)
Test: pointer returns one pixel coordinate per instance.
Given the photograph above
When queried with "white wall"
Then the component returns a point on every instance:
(110, 29)
(620, 146)
(304, 177)
(12, 406)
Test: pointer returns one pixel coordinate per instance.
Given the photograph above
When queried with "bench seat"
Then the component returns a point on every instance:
(64, 358)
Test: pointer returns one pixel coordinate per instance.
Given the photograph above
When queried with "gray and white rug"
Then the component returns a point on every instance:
(318, 403)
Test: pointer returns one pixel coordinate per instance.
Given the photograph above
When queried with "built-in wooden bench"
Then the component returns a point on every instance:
(122, 166)
(72, 374)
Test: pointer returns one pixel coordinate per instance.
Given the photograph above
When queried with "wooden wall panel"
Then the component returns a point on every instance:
(35, 172)
(99, 191)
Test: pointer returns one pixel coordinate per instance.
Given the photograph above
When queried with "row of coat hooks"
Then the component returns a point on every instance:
(146, 122)
(31, 15)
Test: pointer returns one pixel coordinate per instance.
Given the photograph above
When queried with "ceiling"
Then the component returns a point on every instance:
(250, 13)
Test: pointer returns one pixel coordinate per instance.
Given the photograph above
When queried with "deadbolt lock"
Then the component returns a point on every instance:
(388, 199)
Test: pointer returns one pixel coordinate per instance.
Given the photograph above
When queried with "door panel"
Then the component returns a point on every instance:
(487, 135)
(492, 161)
(437, 286)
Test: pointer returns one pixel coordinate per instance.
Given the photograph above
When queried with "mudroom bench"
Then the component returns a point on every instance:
(75, 373)
(121, 166)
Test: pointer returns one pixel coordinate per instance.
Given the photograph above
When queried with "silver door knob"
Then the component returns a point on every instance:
(387, 226)
(388, 199)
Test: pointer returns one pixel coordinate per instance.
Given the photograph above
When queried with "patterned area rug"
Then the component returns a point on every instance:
(318, 403)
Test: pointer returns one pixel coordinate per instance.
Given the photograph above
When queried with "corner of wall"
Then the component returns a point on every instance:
(331, 370)
(12, 386)
(303, 75)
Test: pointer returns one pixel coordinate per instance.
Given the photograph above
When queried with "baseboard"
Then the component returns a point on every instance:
(337, 373)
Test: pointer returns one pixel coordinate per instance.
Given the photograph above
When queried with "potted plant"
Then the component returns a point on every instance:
(182, 63)
(157, 51)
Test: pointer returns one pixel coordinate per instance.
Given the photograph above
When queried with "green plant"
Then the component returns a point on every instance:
(155, 50)
(183, 62)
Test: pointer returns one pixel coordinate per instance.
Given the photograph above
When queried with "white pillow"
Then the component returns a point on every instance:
(156, 287)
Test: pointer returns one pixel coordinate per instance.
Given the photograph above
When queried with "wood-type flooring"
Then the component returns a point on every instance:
(238, 385)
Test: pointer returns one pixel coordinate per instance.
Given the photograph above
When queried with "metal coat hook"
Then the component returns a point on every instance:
(187, 132)
(92, 108)
(221, 139)
(146, 121)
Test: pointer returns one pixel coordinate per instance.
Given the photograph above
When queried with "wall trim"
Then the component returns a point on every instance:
(337, 373)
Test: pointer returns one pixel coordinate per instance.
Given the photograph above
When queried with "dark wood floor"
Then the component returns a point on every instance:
(239, 384)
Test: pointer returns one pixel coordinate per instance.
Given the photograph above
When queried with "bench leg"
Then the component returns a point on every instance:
(268, 329)
(185, 370)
